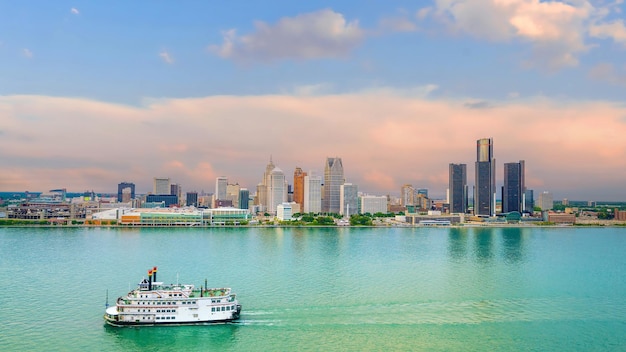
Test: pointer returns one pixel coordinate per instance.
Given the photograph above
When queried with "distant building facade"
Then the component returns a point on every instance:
(373, 204)
(349, 199)
(545, 201)
(333, 179)
(312, 193)
(161, 185)
(192, 199)
(514, 187)
(244, 198)
(125, 189)
(298, 186)
(485, 189)
(457, 188)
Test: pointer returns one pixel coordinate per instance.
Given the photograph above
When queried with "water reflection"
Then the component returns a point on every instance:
(457, 243)
(483, 244)
(188, 337)
(512, 245)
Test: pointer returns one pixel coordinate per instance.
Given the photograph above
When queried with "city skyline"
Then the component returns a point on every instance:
(97, 93)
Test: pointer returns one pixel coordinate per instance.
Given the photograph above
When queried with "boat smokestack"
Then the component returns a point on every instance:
(154, 270)
(149, 280)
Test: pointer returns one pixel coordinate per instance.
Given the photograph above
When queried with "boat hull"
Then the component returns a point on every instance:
(112, 321)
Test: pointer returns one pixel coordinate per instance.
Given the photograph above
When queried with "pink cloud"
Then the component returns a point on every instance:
(574, 148)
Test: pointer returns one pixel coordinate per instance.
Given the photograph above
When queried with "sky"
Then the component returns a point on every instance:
(96, 93)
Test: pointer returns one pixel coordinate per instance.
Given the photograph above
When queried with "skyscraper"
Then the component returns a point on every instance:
(333, 179)
(276, 190)
(349, 196)
(514, 187)
(312, 193)
(221, 183)
(161, 185)
(485, 191)
(244, 196)
(192, 199)
(121, 191)
(457, 186)
(298, 187)
(262, 187)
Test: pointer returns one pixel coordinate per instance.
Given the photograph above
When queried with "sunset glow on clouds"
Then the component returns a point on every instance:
(397, 92)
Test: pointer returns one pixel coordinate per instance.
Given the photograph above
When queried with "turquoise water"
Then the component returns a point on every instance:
(313, 289)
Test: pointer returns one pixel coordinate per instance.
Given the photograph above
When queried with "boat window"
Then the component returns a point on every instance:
(213, 309)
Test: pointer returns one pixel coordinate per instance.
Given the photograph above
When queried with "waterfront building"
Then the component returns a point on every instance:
(457, 188)
(298, 186)
(333, 179)
(312, 193)
(373, 204)
(284, 211)
(276, 190)
(485, 171)
(349, 199)
(514, 187)
(545, 200)
(125, 192)
(244, 198)
(192, 199)
(619, 215)
(161, 185)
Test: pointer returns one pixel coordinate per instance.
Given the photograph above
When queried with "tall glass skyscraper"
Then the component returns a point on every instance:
(333, 179)
(485, 190)
(514, 187)
(457, 185)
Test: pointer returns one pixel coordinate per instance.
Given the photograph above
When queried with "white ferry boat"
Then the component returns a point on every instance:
(155, 303)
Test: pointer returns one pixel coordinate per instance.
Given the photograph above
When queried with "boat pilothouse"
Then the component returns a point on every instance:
(156, 303)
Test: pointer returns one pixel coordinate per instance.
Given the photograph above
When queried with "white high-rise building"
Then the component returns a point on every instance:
(373, 204)
(221, 183)
(545, 201)
(161, 185)
(349, 199)
(333, 179)
(276, 190)
(312, 193)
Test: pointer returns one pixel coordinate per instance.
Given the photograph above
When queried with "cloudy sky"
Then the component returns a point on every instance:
(95, 93)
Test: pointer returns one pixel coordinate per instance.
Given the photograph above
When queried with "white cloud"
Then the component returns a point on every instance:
(320, 34)
(74, 11)
(614, 30)
(27, 53)
(167, 58)
(557, 31)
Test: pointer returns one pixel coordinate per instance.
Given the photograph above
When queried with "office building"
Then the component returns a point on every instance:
(485, 189)
(514, 187)
(161, 185)
(232, 194)
(457, 188)
(349, 198)
(529, 201)
(312, 193)
(192, 199)
(298, 186)
(545, 201)
(244, 198)
(125, 192)
(333, 179)
(221, 184)
(276, 190)
(373, 204)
